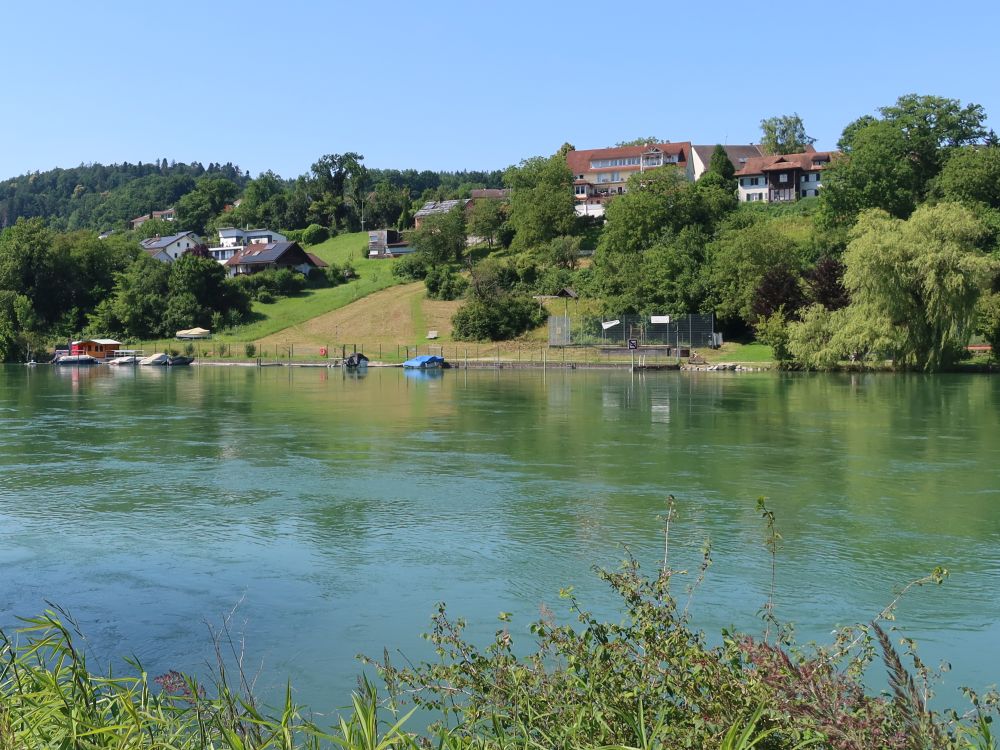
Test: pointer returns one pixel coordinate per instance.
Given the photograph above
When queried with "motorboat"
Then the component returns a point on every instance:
(75, 359)
(178, 361)
(155, 359)
(128, 359)
(356, 360)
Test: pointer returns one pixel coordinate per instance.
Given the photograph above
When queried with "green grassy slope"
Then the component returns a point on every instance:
(373, 275)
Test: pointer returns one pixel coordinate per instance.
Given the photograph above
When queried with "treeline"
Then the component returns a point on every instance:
(100, 197)
(896, 259)
(333, 194)
(55, 286)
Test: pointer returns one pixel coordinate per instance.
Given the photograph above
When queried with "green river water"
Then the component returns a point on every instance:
(328, 513)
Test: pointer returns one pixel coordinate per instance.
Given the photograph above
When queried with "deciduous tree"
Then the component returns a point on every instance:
(738, 261)
(541, 201)
(486, 218)
(914, 288)
(658, 201)
(785, 134)
(441, 237)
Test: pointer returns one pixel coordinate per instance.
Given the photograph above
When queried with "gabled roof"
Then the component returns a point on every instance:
(262, 255)
(158, 243)
(439, 207)
(738, 155)
(318, 261)
(579, 161)
(807, 161)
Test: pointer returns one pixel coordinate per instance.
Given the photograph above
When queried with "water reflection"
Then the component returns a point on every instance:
(349, 505)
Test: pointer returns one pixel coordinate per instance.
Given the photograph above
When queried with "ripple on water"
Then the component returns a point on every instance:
(349, 508)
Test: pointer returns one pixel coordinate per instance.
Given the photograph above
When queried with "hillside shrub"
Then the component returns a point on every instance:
(315, 234)
(772, 331)
(501, 317)
(283, 282)
(444, 284)
(334, 274)
(410, 268)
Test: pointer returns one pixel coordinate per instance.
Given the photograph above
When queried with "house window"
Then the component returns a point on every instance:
(755, 180)
(783, 177)
(581, 189)
(805, 193)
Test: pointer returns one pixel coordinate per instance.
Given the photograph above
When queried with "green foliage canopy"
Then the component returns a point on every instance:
(914, 286)
(784, 134)
(441, 237)
(541, 200)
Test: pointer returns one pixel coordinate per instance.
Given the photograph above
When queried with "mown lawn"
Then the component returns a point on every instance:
(373, 275)
(741, 353)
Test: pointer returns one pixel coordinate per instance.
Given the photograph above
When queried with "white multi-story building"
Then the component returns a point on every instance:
(601, 173)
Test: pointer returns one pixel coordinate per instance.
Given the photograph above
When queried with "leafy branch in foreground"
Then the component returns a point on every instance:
(652, 680)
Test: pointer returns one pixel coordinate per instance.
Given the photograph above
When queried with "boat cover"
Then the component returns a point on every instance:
(424, 360)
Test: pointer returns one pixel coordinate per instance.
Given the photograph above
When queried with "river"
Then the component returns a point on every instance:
(326, 514)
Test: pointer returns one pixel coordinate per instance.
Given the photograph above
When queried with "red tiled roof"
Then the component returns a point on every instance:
(579, 161)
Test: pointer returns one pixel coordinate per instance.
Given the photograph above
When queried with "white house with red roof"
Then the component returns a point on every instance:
(782, 177)
(602, 173)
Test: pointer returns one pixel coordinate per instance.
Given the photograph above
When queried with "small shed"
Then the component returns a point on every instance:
(98, 348)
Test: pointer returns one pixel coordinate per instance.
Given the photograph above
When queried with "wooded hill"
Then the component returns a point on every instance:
(98, 196)
(103, 197)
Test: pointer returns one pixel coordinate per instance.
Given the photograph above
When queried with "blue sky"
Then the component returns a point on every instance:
(453, 85)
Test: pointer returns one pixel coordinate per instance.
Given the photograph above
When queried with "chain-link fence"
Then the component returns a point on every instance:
(656, 330)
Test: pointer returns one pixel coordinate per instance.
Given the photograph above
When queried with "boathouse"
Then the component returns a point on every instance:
(98, 348)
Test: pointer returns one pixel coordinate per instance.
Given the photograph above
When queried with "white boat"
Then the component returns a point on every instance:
(154, 359)
(128, 359)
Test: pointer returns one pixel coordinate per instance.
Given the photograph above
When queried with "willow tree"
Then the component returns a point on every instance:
(914, 285)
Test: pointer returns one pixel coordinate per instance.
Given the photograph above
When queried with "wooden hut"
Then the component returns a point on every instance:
(97, 348)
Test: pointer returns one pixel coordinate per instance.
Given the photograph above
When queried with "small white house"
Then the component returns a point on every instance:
(168, 249)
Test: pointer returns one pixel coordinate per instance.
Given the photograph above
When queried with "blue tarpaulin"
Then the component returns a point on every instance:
(424, 361)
